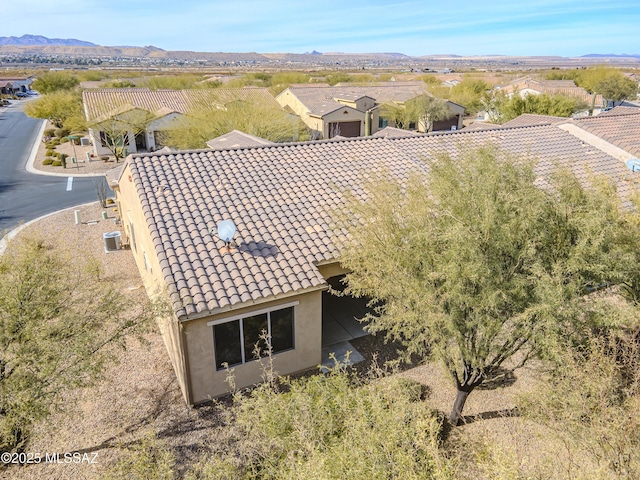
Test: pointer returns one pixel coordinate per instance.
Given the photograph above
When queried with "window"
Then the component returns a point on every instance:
(383, 122)
(235, 340)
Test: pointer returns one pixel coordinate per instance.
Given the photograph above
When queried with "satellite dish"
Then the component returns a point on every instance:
(633, 164)
(226, 231)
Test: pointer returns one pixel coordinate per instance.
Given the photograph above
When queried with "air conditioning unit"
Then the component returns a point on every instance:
(111, 241)
(85, 142)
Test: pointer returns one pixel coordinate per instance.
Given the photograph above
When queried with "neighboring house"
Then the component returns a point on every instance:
(12, 85)
(275, 274)
(156, 110)
(354, 111)
(529, 86)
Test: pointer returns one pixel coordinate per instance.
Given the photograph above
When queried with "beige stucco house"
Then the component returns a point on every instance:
(353, 111)
(146, 114)
(274, 273)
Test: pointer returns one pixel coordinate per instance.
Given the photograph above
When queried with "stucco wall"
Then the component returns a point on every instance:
(151, 273)
(207, 382)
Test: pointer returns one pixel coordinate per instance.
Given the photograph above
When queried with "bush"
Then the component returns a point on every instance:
(49, 152)
(47, 161)
(57, 163)
(50, 132)
(64, 140)
(61, 132)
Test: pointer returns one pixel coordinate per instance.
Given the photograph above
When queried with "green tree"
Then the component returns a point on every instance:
(601, 79)
(476, 265)
(617, 88)
(254, 118)
(119, 130)
(424, 110)
(502, 108)
(419, 112)
(59, 325)
(469, 93)
(50, 82)
(62, 108)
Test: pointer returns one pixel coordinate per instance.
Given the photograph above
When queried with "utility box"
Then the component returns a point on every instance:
(111, 241)
(85, 142)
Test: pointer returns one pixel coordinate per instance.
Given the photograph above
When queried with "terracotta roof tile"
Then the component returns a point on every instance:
(279, 198)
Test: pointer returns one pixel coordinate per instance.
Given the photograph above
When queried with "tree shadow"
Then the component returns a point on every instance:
(504, 413)
(499, 378)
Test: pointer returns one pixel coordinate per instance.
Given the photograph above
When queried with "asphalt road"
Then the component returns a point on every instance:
(25, 196)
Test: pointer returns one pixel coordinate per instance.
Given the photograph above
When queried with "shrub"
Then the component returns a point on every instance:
(110, 201)
(61, 132)
(49, 152)
(57, 163)
(64, 140)
(49, 132)
(47, 161)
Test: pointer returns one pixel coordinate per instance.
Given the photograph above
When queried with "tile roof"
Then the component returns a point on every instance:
(321, 100)
(552, 87)
(280, 197)
(619, 130)
(237, 139)
(529, 119)
(482, 126)
(620, 110)
(108, 101)
(393, 132)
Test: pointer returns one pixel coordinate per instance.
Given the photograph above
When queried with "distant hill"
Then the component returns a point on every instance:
(610, 55)
(29, 40)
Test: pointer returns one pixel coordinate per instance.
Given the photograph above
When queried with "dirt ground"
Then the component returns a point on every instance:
(141, 397)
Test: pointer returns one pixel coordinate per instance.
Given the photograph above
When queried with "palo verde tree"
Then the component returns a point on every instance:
(502, 107)
(478, 266)
(54, 81)
(617, 88)
(59, 324)
(254, 118)
(62, 108)
(420, 112)
(116, 132)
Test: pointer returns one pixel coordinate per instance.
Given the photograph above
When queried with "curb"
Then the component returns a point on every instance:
(34, 153)
(4, 241)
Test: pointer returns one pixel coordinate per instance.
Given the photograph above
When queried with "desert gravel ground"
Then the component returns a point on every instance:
(140, 396)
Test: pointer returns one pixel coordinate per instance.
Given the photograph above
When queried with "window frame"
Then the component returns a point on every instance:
(254, 313)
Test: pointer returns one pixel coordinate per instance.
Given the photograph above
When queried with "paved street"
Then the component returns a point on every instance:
(25, 196)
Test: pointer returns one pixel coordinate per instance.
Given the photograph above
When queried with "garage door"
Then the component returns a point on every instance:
(344, 129)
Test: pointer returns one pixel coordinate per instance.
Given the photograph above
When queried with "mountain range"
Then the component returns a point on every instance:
(58, 46)
(27, 40)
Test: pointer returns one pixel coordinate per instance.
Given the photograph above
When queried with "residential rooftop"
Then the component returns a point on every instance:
(281, 198)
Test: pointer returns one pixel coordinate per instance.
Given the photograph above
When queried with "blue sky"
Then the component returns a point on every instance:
(464, 27)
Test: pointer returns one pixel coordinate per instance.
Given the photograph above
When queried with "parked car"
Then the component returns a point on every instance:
(32, 92)
(22, 95)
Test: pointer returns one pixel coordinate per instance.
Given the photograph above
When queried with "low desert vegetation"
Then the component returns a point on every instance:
(59, 325)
